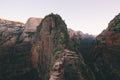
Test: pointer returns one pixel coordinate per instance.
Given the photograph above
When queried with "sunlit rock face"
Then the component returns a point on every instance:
(30, 29)
(107, 52)
(10, 32)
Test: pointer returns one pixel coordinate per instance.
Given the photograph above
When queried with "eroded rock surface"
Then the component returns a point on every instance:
(107, 52)
(10, 32)
(52, 40)
(14, 54)
(30, 29)
(70, 66)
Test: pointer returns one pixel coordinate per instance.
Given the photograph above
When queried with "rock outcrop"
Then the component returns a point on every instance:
(44, 49)
(30, 29)
(14, 54)
(10, 32)
(70, 66)
(51, 55)
(106, 55)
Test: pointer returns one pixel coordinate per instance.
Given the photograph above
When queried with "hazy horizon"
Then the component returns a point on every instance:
(81, 15)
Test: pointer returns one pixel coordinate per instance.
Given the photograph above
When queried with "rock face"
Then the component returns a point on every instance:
(14, 54)
(30, 29)
(50, 36)
(41, 50)
(70, 66)
(44, 49)
(107, 52)
(51, 55)
(10, 32)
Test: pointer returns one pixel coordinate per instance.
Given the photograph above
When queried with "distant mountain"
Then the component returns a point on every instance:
(83, 42)
(80, 33)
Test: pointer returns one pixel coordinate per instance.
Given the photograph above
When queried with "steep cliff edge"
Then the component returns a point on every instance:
(14, 53)
(107, 52)
(52, 56)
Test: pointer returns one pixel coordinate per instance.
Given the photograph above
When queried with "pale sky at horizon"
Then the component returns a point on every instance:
(88, 16)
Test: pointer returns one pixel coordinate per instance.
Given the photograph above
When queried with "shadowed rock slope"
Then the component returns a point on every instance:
(106, 57)
(82, 43)
(14, 53)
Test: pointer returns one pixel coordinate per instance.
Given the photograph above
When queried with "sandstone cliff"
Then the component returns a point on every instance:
(52, 56)
(106, 52)
(14, 54)
(30, 29)
(10, 32)
(41, 50)
(44, 49)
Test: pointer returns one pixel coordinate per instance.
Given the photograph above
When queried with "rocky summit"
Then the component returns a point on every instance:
(45, 49)
(51, 55)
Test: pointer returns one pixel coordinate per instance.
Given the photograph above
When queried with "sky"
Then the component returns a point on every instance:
(88, 16)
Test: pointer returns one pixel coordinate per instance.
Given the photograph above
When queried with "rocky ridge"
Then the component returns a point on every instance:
(10, 32)
(106, 52)
(49, 54)
(14, 53)
(32, 57)
(45, 49)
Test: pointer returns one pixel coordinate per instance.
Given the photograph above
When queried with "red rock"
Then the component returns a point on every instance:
(107, 49)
